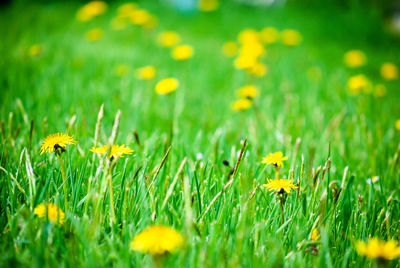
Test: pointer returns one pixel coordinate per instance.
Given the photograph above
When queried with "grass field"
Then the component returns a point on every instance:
(197, 161)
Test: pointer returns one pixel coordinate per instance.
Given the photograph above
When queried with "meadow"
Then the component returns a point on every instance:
(218, 135)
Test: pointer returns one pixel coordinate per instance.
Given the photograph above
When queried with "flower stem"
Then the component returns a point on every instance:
(282, 215)
(64, 182)
(112, 211)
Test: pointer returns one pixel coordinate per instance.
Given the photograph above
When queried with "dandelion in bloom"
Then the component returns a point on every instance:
(126, 9)
(291, 37)
(157, 240)
(245, 61)
(380, 91)
(389, 71)
(275, 159)
(168, 39)
(249, 92)
(242, 105)
(258, 69)
(208, 5)
(151, 22)
(51, 212)
(91, 10)
(35, 50)
(146, 72)
(182, 52)
(140, 17)
(248, 36)
(94, 34)
(269, 35)
(397, 124)
(166, 86)
(315, 236)
(230, 48)
(358, 84)
(355, 58)
(378, 249)
(116, 150)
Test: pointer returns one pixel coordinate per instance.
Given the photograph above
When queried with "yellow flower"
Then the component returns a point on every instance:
(157, 240)
(121, 70)
(291, 37)
(91, 10)
(151, 23)
(241, 105)
(230, 49)
(397, 124)
(167, 85)
(355, 58)
(126, 9)
(249, 91)
(253, 49)
(168, 39)
(315, 236)
(140, 16)
(182, 52)
(275, 159)
(269, 35)
(245, 61)
(380, 91)
(50, 212)
(146, 73)
(359, 83)
(376, 248)
(389, 71)
(280, 185)
(208, 5)
(35, 50)
(116, 150)
(94, 34)
(248, 36)
(55, 142)
(258, 69)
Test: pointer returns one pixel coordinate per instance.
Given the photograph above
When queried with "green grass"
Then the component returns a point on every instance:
(62, 89)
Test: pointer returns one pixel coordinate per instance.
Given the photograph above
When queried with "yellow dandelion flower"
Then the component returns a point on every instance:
(376, 248)
(127, 8)
(168, 39)
(91, 10)
(35, 50)
(280, 185)
(139, 16)
(245, 62)
(389, 71)
(397, 124)
(355, 58)
(182, 52)
(230, 48)
(380, 91)
(291, 37)
(208, 5)
(249, 91)
(166, 86)
(241, 105)
(358, 84)
(258, 69)
(248, 36)
(116, 150)
(51, 212)
(151, 23)
(56, 142)
(146, 73)
(315, 236)
(157, 240)
(94, 34)
(252, 49)
(275, 159)
(269, 35)
(121, 70)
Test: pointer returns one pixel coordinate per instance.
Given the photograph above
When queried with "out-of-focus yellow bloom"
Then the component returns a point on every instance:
(157, 240)
(182, 52)
(51, 212)
(358, 84)
(314, 73)
(140, 16)
(245, 61)
(249, 92)
(275, 159)
(269, 35)
(56, 142)
(208, 5)
(91, 10)
(315, 236)
(166, 86)
(376, 248)
(397, 124)
(94, 34)
(146, 73)
(248, 36)
(230, 48)
(168, 39)
(241, 105)
(121, 70)
(151, 22)
(291, 37)
(253, 49)
(389, 71)
(380, 91)
(279, 185)
(126, 9)
(116, 150)
(258, 69)
(355, 58)
(35, 50)
(119, 23)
